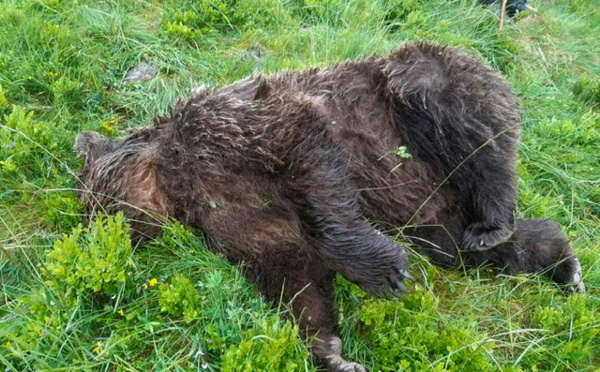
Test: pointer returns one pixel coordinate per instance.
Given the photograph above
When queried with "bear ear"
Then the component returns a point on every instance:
(90, 144)
(254, 88)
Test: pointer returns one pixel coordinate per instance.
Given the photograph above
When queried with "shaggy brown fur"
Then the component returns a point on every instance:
(294, 174)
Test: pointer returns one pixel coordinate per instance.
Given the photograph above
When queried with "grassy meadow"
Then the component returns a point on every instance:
(84, 298)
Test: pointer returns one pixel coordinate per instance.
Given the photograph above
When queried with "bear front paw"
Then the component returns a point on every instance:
(348, 367)
(569, 274)
(479, 236)
(329, 351)
(387, 280)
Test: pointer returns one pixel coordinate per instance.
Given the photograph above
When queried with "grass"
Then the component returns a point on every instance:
(171, 305)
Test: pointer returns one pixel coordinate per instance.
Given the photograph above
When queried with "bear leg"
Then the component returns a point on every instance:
(326, 202)
(462, 118)
(536, 246)
(291, 275)
(493, 200)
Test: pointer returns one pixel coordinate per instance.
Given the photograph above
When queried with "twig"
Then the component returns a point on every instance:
(502, 14)
(531, 9)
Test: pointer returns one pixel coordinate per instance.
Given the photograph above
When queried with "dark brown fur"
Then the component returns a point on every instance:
(294, 174)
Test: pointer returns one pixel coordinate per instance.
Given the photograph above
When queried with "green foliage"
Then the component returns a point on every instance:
(65, 89)
(265, 14)
(91, 291)
(403, 153)
(545, 189)
(404, 11)
(271, 345)
(320, 11)
(22, 139)
(83, 272)
(62, 211)
(181, 30)
(179, 298)
(92, 259)
(30, 159)
(415, 336)
(586, 88)
(3, 101)
(84, 301)
(190, 20)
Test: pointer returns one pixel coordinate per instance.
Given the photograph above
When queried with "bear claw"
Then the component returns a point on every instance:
(350, 367)
(406, 275)
(334, 361)
(576, 285)
(394, 286)
(480, 237)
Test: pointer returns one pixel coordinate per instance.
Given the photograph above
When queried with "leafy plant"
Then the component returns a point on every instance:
(403, 153)
(179, 298)
(93, 259)
(82, 300)
(271, 345)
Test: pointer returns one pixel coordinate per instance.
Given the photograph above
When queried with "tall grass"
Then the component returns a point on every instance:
(170, 304)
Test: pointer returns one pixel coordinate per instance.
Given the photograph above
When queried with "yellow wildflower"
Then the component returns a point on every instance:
(121, 312)
(99, 347)
(153, 282)
(107, 125)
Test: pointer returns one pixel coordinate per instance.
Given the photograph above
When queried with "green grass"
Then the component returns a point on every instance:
(85, 299)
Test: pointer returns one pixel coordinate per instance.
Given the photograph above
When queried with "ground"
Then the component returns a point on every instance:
(89, 300)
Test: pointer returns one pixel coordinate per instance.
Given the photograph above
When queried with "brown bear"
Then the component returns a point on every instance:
(295, 175)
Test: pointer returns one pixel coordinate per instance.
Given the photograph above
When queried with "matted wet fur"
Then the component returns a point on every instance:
(296, 174)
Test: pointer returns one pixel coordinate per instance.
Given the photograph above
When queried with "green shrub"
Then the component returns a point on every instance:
(179, 298)
(190, 20)
(61, 70)
(82, 275)
(18, 138)
(414, 335)
(271, 345)
(91, 259)
(62, 211)
(587, 89)
(399, 11)
(66, 90)
(3, 100)
(30, 148)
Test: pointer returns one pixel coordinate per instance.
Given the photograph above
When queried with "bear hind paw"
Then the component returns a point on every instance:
(480, 237)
